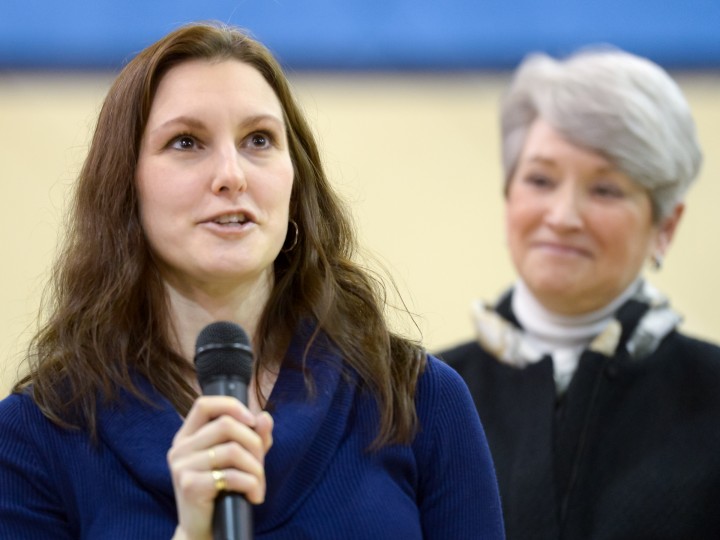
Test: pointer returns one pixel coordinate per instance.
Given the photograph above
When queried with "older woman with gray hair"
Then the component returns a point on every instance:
(603, 419)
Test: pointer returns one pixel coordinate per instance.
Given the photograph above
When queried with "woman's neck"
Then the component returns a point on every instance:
(550, 330)
(193, 308)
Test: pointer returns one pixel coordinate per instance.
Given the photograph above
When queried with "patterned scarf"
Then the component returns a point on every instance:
(511, 345)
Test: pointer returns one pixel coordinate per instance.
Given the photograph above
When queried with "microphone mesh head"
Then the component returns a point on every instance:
(223, 349)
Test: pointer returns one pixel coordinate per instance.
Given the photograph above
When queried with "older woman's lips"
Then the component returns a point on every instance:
(562, 249)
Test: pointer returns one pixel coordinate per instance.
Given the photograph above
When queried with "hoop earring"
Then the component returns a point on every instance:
(657, 261)
(295, 237)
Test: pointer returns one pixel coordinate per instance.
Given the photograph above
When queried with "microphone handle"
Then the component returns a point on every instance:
(232, 518)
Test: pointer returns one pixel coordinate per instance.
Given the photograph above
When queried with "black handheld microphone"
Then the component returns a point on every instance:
(223, 360)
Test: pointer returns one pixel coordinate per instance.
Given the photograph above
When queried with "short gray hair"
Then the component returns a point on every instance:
(623, 106)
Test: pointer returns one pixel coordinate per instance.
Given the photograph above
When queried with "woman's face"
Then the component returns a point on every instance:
(214, 175)
(578, 229)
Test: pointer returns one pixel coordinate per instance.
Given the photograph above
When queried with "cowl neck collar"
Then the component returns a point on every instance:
(310, 424)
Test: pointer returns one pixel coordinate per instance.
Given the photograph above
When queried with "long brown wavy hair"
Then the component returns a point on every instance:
(107, 316)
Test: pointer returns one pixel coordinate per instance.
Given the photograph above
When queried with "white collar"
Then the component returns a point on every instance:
(549, 331)
(564, 338)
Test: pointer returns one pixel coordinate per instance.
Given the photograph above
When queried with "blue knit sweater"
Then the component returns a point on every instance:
(322, 483)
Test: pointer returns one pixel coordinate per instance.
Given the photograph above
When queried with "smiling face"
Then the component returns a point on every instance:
(214, 175)
(578, 229)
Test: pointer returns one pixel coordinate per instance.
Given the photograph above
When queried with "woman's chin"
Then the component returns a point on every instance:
(559, 295)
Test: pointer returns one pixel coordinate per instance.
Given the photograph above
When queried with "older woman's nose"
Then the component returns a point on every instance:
(565, 209)
(229, 175)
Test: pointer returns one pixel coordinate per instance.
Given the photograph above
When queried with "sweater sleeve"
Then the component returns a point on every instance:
(30, 506)
(458, 493)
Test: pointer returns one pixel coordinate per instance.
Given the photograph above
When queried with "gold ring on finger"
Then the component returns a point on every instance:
(219, 479)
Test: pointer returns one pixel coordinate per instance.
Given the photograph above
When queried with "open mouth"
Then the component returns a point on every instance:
(232, 220)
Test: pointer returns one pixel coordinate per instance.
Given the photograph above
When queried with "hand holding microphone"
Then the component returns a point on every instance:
(218, 454)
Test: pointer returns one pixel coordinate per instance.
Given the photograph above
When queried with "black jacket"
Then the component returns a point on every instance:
(630, 451)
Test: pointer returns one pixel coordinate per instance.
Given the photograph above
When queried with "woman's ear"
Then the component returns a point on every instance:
(667, 228)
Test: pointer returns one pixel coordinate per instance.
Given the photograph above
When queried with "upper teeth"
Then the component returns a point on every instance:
(231, 218)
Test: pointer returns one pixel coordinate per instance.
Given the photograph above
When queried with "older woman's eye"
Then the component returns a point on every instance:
(538, 181)
(606, 190)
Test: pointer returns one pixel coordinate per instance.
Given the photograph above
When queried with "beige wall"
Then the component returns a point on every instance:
(416, 157)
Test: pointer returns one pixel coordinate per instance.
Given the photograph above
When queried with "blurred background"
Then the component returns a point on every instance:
(403, 96)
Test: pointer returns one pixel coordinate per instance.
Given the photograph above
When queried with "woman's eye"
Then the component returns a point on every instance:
(260, 140)
(538, 180)
(184, 142)
(608, 190)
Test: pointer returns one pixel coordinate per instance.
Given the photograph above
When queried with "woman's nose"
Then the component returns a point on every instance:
(565, 211)
(229, 173)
